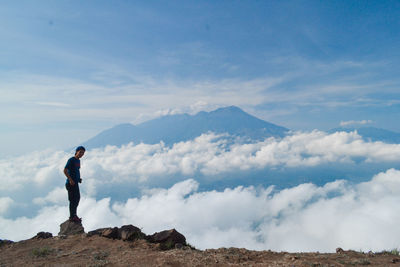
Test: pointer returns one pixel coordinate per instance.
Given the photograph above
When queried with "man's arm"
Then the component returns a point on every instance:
(71, 182)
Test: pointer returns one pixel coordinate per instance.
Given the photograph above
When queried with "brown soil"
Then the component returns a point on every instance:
(80, 250)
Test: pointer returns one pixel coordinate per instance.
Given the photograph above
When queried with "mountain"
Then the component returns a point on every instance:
(175, 128)
(372, 134)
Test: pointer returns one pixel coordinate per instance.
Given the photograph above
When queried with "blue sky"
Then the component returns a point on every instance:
(70, 69)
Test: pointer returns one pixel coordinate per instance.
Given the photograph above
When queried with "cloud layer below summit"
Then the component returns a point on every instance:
(302, 218)
(208, 154)
(158, 187)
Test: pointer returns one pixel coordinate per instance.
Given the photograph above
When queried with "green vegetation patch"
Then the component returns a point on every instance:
(42, 252)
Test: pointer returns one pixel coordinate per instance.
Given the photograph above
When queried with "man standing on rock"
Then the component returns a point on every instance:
(72, 172)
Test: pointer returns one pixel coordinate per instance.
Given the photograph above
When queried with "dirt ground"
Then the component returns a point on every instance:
(80, 250)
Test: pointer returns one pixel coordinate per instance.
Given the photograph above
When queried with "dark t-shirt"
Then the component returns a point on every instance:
(73, 166)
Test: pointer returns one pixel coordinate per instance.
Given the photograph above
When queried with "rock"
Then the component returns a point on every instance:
(5, 242)
(98, 232)
(130, 233)
(168, 239)
(339, 250)
(43, 235)
(71, 228)
(125, 233)
(178, 246)
(111, 233)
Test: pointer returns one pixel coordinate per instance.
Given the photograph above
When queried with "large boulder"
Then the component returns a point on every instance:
(71, 228)
(43, 235)
(98, 232)
(125, 233)
(168, 239)
(111, 233)
(130, 233)
(108, 232)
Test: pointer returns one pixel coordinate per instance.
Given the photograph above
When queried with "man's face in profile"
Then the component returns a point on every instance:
(79, 154)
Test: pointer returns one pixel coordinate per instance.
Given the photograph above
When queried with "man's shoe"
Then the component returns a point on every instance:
(75, 219)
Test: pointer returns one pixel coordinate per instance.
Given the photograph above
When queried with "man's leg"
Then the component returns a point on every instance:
(73, 197)
(77, 198)
(70, 199)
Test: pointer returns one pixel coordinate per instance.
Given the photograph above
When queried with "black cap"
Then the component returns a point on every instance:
(80, 148)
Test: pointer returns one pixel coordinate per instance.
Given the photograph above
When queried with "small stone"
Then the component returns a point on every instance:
(5, 242)
(371, 254)
(396, 260)
(339, 250)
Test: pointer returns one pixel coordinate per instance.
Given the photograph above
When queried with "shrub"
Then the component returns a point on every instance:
(42, 252)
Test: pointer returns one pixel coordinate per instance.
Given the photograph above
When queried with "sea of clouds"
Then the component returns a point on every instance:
(157, 187)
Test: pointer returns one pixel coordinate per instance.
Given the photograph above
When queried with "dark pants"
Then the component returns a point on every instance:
(73, 196)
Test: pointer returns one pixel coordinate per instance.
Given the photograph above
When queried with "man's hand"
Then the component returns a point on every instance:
(71, 181)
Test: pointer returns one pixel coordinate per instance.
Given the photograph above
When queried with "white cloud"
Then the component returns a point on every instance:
(5, 203)
(30, 170)
(167, 111)
(192, 109)
(54, 104)
(306, 217)
(212, 154)
(359, 218)
(48, 220)
(352, 122)
(303, 218)
(57, 196)
(136, 94)
(209, 154)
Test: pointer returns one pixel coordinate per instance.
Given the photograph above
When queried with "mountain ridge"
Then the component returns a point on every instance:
(182, 127)
(232, 120)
